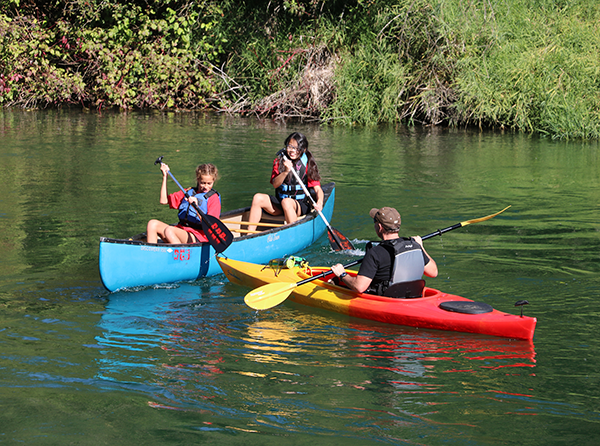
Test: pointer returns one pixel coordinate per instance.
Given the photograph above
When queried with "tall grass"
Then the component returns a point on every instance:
(540, 70)
(527, 65)
(400, 70)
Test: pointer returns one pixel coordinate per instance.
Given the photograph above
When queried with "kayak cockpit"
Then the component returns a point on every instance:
(405, 290)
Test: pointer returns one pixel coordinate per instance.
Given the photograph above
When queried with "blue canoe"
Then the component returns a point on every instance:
(132, 262)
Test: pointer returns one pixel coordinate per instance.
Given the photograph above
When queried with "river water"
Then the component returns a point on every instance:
(190, 363)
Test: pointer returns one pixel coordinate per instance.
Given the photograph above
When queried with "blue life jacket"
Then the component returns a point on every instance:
(290, 188)
(187, 213)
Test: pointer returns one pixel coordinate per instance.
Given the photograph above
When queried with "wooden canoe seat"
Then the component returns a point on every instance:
(268, 218)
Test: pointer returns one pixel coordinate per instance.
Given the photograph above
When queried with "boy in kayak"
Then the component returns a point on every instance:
(290, 198)
(395, 260)
(189, 228)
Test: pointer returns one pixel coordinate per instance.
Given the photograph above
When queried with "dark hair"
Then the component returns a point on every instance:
(300, 140)
(312, 169)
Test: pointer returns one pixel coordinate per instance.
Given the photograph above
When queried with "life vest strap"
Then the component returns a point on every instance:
(188, 215)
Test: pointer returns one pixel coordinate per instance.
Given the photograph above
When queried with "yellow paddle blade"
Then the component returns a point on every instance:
(477, 220)
(269, 295)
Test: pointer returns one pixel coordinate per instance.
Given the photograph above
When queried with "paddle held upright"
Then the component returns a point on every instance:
(337, 240)
(219, 236)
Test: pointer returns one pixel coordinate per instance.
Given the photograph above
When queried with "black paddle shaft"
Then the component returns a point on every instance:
(327, 273)
(356, 262)
(441, 231)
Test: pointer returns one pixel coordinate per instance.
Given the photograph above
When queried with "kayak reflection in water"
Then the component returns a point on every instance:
(396, 260)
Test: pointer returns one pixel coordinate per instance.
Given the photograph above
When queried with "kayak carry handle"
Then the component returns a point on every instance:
(520, 303)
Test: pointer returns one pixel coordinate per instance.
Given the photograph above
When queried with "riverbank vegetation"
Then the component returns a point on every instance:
(526, 65)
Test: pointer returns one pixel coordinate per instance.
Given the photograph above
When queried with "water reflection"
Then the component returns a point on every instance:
(406, 345)
(272, 341)
(195, 350)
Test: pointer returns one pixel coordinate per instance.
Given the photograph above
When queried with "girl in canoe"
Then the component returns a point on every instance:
(290, 198)
(189, 228)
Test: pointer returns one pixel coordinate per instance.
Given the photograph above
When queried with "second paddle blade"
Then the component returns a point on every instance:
(218, 235)
(338, 241)
(269, 295)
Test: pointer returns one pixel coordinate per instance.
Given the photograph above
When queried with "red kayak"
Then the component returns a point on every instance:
(435, 310)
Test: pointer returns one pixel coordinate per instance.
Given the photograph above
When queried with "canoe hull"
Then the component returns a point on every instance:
(131, 263)
(424, 312)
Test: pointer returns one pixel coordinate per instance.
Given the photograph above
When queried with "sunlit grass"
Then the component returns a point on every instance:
(530, 66)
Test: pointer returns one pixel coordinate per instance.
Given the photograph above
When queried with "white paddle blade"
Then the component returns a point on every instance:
(269, 295)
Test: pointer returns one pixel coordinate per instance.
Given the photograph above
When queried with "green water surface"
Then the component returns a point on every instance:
(191, 364)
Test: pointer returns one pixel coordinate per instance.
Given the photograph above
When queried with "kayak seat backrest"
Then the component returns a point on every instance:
(406, 290)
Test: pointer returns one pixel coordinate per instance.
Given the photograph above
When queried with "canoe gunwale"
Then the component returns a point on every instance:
(133, 262)
(327, 189)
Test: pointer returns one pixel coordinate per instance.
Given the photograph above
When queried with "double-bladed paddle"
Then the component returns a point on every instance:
(218, 235)
(337, 240)
(272, 294)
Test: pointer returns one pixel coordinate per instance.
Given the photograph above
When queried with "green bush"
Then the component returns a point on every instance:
(115, 55)
(529, 65)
